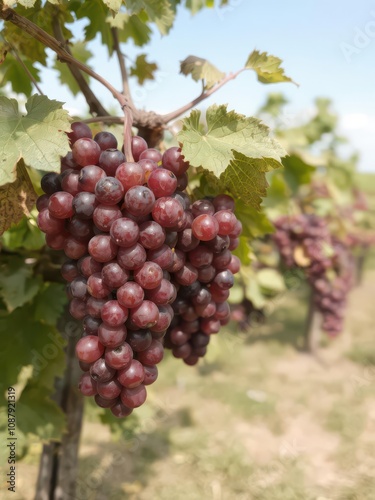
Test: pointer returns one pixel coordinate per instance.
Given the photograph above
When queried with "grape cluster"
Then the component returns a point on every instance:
(146, 266)
(305, 241)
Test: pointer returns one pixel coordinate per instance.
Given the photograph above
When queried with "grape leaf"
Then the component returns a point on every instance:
(17, 282)
(201, 69)
(25, 234)
(245, 178)
(37, 137)
(114, 5)
(12, 72)
(97, 13)
(16, 199)
(38, 414)
(270, 280)
(160, 12)
(297, 171)
(142, 69)
(130, 27)
(267, 67)
(254, 224)
(80, 52)
(196, 5)
(49, 303)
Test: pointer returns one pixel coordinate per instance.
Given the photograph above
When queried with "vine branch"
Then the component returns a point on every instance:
(123, 70)
(25, 68)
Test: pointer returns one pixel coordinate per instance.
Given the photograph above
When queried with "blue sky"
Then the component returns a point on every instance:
(328, 47)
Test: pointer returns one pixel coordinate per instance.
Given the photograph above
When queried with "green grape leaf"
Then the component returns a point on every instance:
(38, 137)
(80, 52)
(16, 199)
(142, 69)
(97, 13)
(17, 282)
(274, 104)
(270, 280)
(12, 72)
(267, 67)
(245, 178)
(130, 27)
(114, 5)
(25, 234)
(201, 69)
(254, 224)
(196, 5)
(236, 149)
(38, 414)
(253, 291)
(161, 12)
(49, 303)
(243, 251)
(297, 172)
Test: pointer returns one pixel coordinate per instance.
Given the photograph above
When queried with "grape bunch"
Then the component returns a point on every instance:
(146, 267)
(305, 241)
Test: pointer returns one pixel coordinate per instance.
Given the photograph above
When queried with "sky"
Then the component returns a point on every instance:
(327, 46)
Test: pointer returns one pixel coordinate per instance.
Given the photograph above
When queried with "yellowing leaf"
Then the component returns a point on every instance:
(267, 67)
(142, 69)
(16, 199)
(38, 137)
(113, 4)
(201, 69)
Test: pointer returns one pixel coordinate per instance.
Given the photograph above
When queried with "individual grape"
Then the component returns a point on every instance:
(84, 205)
(94, 306)
(79, 131)
(87, 385)
(131, 258)
(145, 315)
(139, 340)
(124, 232)
(206, 274)
(201, 256)
(50, 183)
(150, 374)
(233, 243)
(179, 259)
(174, 161)
(77, 308)
(109, 191)
(201, 207)
(202, 297)
(86, 152)
(151, 154)
(111, 336)
(222, 260)
(49, 224)
(89, 349)
(139, 200)
(131, 376)
(162, 182)
(163, 294)
(218, 244)
(89, 176)
(119, 357)
(138, 145)
(106, 140)
(163, 256)
(206, 310)
(113, 275)
(114, 314)
(171, 238)
(234, 265)
(56, 241)
(149, 275)
(60, 205)
(69, 270)
(179, 337)
(182, 182)
(227, 222)
(80, 229)
(130, 174)
(105, 215)
(222, 311)
(223, 202)
(167, 211)
(210, 326)
(130, 295)
(106, 403)
(110, 160)
(186, 275)
(148, 166)
(152, 355)
(42, 202)
(182, 351)
(78, 287)
(101, 372)
(88, 266)
(70, 182)
(187, 241)
(191, 360)
(91, 325)
(237, 230)
(102, 248)
(224, 279)
(67, 162)
(74, 249)
(96, 288)
(133, 397)
(120, 411)
(164, 321)
(205, 227)
(151, 235)
(110, 389)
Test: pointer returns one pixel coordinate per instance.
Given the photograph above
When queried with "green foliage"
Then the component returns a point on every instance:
(236, 149)
(142, 69)
(79, 51)
(297, 172)
(11, 72)
(25, 234)
(201, 69)
(267, 67)
(17, 282)
(161, 12)
(38, 137)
